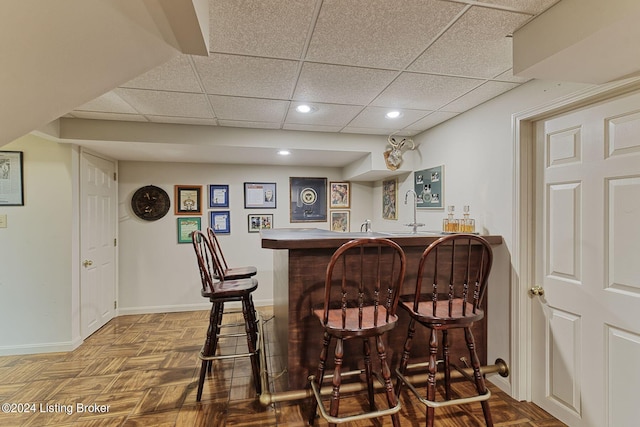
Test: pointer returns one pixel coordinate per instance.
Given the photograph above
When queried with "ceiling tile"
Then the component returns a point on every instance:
(479, 95)
(311, 128)
(508, 76)
(325, 115)
(424, 91)
(432, 119)
(275, 28)
(176, 75)
(110, 102)
(374, 117)
(248, 109)
(167, 103)
(377, 33)
(247, 76)
(340, 84)
(376, 131)
(477, 45)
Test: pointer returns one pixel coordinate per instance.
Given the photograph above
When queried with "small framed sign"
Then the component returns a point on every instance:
(218, 196)
(259, 195)
(11, 179)
(186, 227)
(220, 221)
(259, 222)
(188, 199)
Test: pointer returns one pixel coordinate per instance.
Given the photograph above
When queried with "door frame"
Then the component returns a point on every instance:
(524, 228)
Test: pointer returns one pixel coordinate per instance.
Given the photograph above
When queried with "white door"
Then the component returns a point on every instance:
(98, 233)
(586, 325)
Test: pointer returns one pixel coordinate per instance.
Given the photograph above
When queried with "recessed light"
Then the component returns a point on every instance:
(393, 114)
(304, 108)
(284, 152)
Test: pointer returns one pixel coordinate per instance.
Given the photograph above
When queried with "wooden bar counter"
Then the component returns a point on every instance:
(300, 260)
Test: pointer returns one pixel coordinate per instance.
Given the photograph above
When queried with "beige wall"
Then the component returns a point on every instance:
(36, 271)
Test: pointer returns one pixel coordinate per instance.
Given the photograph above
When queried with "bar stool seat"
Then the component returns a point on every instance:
(219, 292)
(454, 270)
(361, 295)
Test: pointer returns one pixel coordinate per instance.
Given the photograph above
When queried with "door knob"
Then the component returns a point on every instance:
(87, 263)
(536, 291)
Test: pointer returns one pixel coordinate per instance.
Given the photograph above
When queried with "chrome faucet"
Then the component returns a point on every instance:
(415, 224)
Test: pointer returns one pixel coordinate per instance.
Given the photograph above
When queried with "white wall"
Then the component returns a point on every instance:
(36, 273)
(158, 274)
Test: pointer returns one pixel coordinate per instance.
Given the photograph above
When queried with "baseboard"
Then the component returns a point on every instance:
(55, 347)
(122, 311)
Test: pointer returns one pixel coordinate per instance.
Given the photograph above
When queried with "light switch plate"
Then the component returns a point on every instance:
(3, 221)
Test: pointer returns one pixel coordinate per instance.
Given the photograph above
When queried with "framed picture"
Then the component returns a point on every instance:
(218, 196)
(220, 221)
(340, 221)
(390, 199)
(429, 187)
(308, 199)
(339, 195)
(186, 226)
(259, 222)
(11, 179)
(188, 199)
(259, 195)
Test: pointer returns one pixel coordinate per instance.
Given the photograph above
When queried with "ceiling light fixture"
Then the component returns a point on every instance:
(304, 108)
(284, 152)
(393, 114)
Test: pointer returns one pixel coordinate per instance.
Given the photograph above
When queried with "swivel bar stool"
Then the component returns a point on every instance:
(452, 278)
(219, 291)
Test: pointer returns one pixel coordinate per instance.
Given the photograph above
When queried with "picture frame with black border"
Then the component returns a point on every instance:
(308, 199)
(218, 196)
(11, 178)
(257, 222)
(260, 195)
(220, 221)
(188, 199)
(429, 187)
(186, 227)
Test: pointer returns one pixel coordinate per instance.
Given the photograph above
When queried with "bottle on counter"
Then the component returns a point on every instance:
(468, 224)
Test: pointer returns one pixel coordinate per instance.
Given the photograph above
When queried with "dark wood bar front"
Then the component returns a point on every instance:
(300, 261)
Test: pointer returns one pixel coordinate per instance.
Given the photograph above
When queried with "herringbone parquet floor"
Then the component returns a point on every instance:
(142, 370)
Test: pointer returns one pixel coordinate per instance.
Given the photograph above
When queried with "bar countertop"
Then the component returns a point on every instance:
(303, 238)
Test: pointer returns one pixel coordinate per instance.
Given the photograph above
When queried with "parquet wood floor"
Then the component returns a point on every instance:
(142, 370)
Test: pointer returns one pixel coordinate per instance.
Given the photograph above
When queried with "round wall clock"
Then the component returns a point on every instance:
(150, 203)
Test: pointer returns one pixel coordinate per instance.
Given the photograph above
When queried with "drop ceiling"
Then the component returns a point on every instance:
(353, 61)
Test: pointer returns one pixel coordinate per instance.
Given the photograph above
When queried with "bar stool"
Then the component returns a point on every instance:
(223, 270)
(455, 269)
(362, 285)
(219, 291)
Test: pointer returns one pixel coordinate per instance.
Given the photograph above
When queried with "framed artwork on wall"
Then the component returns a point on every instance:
(429, 187)
(259, 195)
(390, 199)
(220, 221)
(340, 221)
(308, 199)
(218, 196)
(257, 222)
(186, 227)
(339, 195)
(188, 199)
(11, 178)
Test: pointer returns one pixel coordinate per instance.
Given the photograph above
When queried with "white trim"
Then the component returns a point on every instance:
(522, 274)
(53, 347)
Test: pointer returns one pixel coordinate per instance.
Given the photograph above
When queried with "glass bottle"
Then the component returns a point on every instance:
(468, 224)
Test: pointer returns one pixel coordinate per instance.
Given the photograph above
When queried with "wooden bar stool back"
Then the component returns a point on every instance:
(219, 291)
(451, 282)
(223, 270)
(362, 285)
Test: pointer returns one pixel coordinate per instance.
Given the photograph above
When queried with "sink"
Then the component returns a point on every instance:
(410, 233)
